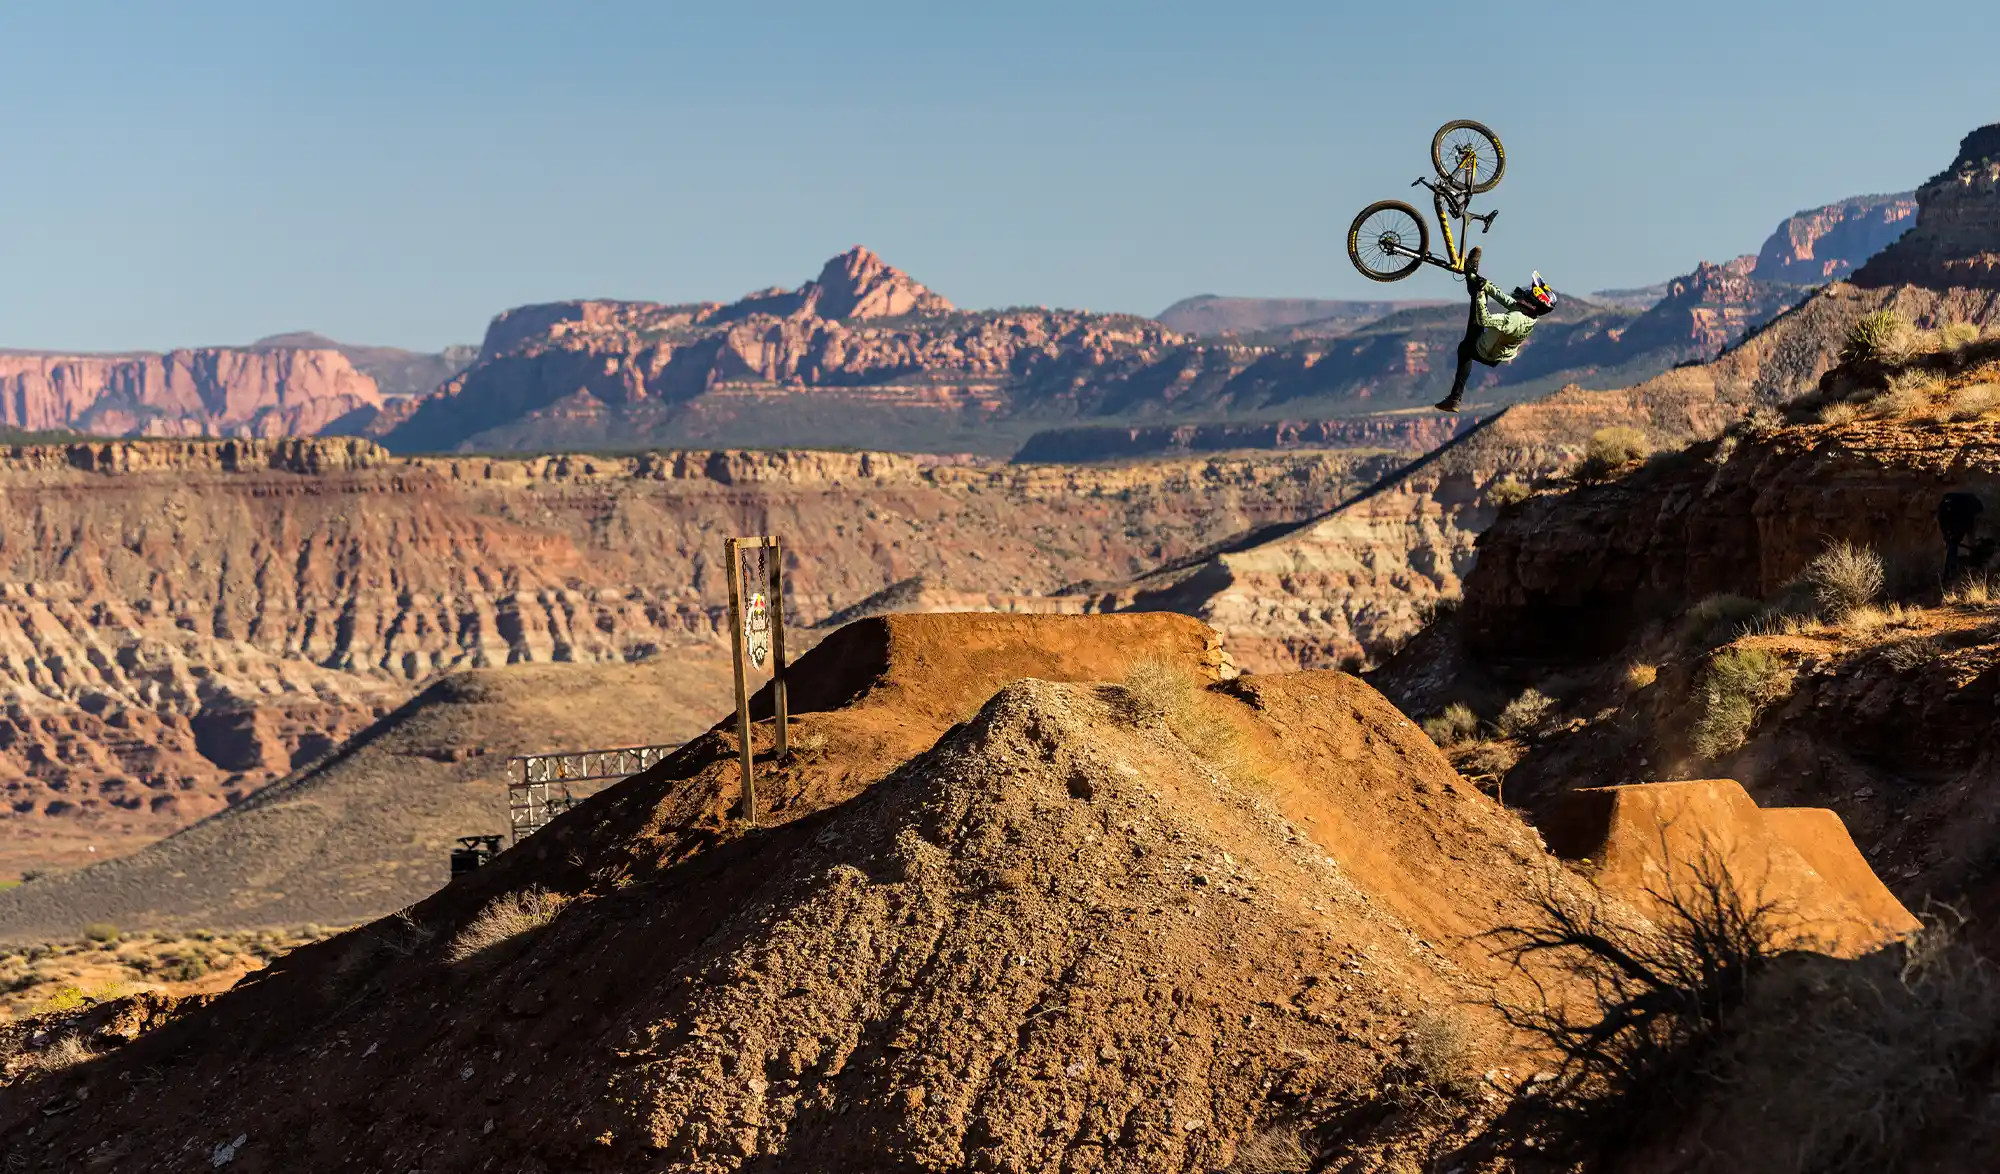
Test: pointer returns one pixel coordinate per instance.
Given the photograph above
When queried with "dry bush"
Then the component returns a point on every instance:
(1761, 421)
(1441, 1063)
(505, 919)
(1525, 715)
(1903, 401)
(1611, 449)
(1153, 688)
(1840, 412)
(1633, 1055)
(1455, 726)
(1914, 653)
(1507, 491)
(1973, 401)
(1883, 336)
(1718, 619)
(1640, 675)
(1273, 1150)
(1845, 577)
(1737, 685)
(1490, 759)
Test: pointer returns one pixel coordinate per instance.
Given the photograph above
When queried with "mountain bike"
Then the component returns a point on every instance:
(1389, 239)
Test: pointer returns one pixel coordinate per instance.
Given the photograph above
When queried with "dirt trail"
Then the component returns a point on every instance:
(1010, 931)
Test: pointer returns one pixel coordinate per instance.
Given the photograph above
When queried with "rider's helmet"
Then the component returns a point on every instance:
(1536, 295)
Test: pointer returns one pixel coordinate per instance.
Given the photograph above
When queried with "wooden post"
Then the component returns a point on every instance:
(781, 703)
(749, 795)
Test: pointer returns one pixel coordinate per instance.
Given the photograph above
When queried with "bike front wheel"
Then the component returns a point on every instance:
(1466, 149)
(1388, 241)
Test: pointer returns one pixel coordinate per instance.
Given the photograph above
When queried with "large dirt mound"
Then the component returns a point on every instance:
(370, 828)
(1060, 937)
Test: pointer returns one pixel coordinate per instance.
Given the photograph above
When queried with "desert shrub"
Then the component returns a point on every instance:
(1840, 412)
(1611, 449)
(1914, 653)
(1717, 619)
(1640, 675)
(506, 919)
(1973, 401)
(1633, 1054)
(101, 931)
(1153, 688)
(1453, 727)
(1883, 336)
(1507, 491)
(1845, 577)
(1525, 714)
(1737, 685)
(1761, 421)
(182, 966)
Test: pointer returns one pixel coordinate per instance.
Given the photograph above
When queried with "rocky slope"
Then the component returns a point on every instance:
(211, 391)
(1956, 241)
(183, 622)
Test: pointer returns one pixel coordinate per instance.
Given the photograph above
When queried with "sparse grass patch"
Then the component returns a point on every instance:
(101, 931)
(1970, 589)
(1490, 759)
(1274, 1150)
(1737, 685)
(1455, 726)
(1840, 412)
(1153, 688)
(1845, 577)
(66, 1052)
(505, 919)
(1955, 335)
(1639, 675)
(1525, 715)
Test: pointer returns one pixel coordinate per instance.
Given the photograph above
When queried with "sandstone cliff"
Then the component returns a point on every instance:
(396, 372)
(213, 391)
(1829, 243)
(1956, 241)
(182, 622)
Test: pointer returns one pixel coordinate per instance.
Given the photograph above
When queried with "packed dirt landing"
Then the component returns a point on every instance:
(1650, 841)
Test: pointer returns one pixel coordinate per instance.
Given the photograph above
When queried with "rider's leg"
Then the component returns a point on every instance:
(1467, 354)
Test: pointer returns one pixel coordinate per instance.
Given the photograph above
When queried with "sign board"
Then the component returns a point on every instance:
(757, 632)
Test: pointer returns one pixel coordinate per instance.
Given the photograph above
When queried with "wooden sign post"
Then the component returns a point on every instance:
(757, 630)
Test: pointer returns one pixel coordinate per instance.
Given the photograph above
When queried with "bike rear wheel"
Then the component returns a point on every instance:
(1457, 143)
(1388, 241)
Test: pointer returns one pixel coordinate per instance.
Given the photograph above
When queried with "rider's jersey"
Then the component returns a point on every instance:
(1500, 335)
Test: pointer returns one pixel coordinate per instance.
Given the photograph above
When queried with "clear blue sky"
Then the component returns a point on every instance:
(197, 172)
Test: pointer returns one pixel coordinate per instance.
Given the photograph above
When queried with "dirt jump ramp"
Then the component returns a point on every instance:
(1058, 934)
(1650, 839)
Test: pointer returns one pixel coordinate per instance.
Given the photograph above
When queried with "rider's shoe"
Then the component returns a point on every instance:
(1447, 404)
(1472, 267)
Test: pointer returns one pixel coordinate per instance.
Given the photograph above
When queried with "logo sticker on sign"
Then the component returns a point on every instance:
(757, 628)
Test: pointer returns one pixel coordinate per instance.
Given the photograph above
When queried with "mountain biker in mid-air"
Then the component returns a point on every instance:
(1491, 338)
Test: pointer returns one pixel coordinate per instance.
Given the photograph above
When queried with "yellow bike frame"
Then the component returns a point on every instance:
(1451, 252)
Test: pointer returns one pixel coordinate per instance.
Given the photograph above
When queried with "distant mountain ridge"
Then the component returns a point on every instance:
(1208, 315)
